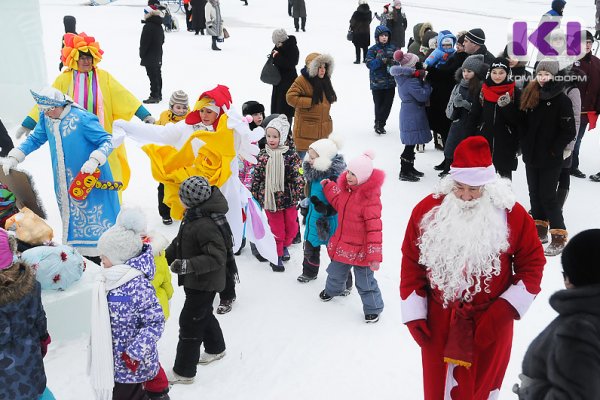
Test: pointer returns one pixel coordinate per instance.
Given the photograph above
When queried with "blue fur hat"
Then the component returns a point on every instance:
(49, 98)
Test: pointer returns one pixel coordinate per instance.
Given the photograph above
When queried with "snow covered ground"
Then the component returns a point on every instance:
(282, 341)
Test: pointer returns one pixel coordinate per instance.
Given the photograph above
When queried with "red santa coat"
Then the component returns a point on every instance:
(358, 238)
(518, 283)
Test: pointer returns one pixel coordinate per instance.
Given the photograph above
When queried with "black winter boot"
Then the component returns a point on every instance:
(214, 44)
(378, 128)
(446, 169)
(256, 254)
(406, 171)
(237, 253)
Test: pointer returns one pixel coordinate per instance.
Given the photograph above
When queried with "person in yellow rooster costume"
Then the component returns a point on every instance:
(96, 91)
(207, 143)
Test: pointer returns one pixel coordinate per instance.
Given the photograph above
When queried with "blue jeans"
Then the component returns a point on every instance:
(582, 126)
(337, 274)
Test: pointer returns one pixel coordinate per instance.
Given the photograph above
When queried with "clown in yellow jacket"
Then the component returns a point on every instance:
(207, 143)
(96, 91)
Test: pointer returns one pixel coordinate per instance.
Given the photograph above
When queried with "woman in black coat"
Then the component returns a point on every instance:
(285, 57)
(550, 127)
(151, 42)
(563, 362)
(496, 117)
(198, 16)
(360, 25)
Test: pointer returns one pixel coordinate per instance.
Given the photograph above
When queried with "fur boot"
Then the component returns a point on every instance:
(559, 240)
(542, 230)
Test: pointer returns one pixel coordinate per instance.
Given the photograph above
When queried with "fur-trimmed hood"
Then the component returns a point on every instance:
(20, 288)
(371, 188)
(313, 60)
(398, 70)
(422, 29)
(337, 166)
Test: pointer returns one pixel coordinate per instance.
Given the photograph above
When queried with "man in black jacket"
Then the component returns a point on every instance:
(151, 43)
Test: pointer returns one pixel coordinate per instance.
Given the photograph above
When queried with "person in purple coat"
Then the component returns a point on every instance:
(127, 319)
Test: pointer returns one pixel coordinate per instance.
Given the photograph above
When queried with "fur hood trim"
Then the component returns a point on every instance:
(371, 188)
(398, 70)
(20, 288)
(313, 60)
(336, 167)
(426, 26)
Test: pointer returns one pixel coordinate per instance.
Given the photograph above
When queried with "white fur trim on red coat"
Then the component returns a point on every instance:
(413, 308)
(518, 296)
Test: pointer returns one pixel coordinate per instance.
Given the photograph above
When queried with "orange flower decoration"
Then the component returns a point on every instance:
(76, 43)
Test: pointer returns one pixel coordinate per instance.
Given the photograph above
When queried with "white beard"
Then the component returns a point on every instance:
(462, 241)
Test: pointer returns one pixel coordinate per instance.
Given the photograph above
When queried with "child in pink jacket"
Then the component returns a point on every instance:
(357, 241)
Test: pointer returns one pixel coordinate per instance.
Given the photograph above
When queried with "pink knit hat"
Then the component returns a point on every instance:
(406, 59)
(362, 166)
(6, 254)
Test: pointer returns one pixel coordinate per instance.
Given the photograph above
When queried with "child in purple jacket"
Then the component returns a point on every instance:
(127, 319)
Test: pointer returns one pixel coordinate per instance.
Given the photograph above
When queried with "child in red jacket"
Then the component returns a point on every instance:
(357, 241)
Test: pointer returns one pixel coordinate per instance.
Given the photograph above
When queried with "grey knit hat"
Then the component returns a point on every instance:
(179, 97)
(548, 66)
(282, 125)
(279, 36)
(476, 64)
(194, 190)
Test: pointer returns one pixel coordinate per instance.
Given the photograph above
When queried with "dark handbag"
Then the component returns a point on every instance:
(225, 34)
(270, 74)
(350, 35)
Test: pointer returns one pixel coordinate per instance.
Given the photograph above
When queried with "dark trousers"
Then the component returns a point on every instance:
(409, 153)
(129, 391)
(302, 21)
(197, 325)
(229, 292)
(383, 99)
(357, 52)
(564, 180)
(582, 126)
(312, 259)
(163, 209)
(188, 14)
(542, 184)
(155, 76)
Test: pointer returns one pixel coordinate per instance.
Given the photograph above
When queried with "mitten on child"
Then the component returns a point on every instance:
(44, 342)
(131, 364)
(494, 322)
(419, 330)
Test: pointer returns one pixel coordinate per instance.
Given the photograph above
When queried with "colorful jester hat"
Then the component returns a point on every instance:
(216, 99)
(76, 43)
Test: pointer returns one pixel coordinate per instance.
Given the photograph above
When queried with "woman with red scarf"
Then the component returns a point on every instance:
(496, 117)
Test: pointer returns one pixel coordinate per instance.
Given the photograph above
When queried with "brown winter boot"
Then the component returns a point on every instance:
(542, 230)
(559, 239)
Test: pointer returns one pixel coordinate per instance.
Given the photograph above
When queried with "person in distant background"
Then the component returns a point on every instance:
(69, 22)
(151, 43)
(285, 56)
(198, 17)
(361, 32)
(397, 24)
(297, 10)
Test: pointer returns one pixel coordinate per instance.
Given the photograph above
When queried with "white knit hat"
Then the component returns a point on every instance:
(326, 150)
(123, 241)
(282, 125)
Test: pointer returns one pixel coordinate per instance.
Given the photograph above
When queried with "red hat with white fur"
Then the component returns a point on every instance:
(472, 164)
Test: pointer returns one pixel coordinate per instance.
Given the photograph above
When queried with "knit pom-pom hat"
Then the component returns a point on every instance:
(326, 150)
(362, 166)
(406, 59)
(124, 240)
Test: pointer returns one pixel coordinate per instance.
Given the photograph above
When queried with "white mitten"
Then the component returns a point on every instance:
(22, 131)
(14, 157)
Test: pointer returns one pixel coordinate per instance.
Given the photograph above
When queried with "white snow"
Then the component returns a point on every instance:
(282, 341)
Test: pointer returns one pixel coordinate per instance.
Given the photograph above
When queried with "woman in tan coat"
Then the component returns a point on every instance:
(311, 95)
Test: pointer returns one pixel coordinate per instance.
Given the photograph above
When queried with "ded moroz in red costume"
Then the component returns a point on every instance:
(470, 266)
